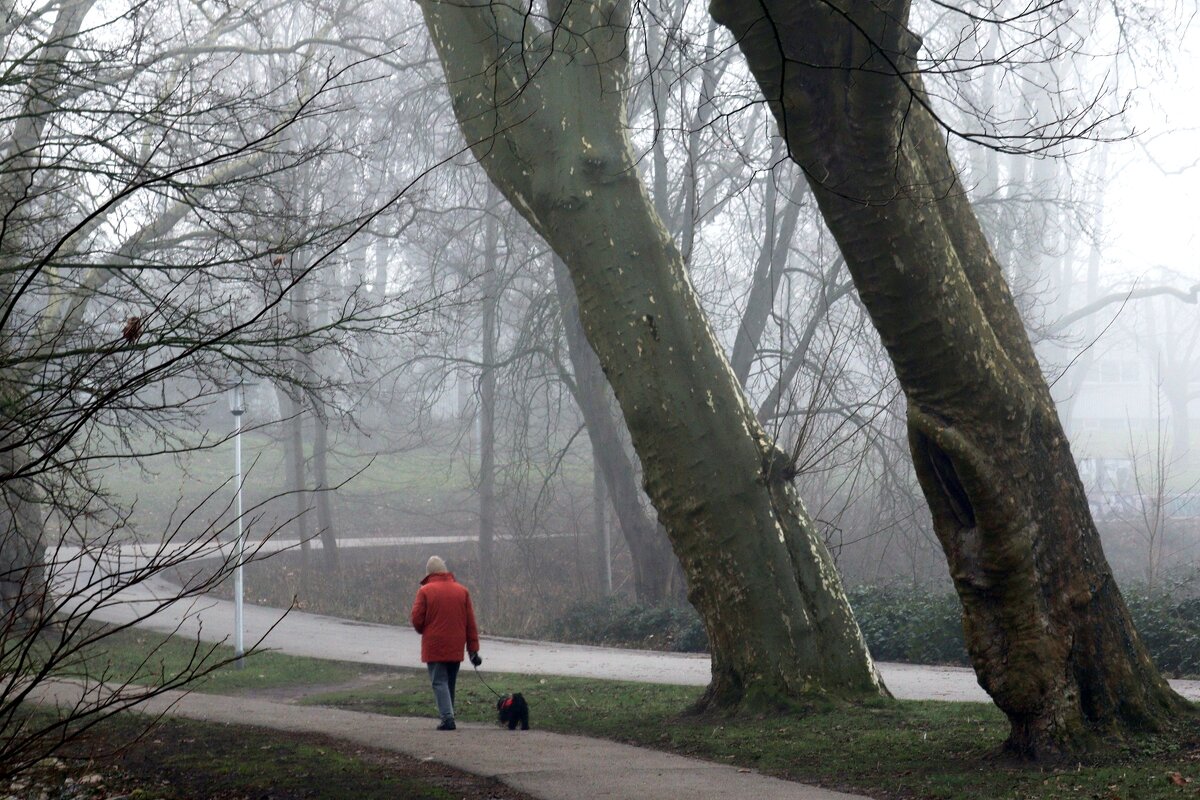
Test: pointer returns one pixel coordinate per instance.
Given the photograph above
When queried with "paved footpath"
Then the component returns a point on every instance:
(548, 766)
(301, 634)
(545, 765)
(153, 604)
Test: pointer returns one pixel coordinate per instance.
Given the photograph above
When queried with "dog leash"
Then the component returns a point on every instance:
(485, 683)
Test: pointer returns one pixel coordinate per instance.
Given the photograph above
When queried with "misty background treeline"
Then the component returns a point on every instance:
(198, 194)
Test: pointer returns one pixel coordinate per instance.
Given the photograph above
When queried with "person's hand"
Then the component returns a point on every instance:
(476, 659)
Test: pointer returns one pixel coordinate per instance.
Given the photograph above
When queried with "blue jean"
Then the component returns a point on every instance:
(443, 675)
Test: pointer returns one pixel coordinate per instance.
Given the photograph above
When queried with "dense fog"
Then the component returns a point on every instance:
(199, 195)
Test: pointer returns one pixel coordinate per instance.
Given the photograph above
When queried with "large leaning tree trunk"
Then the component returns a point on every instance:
(1047, 629)
(542, 102)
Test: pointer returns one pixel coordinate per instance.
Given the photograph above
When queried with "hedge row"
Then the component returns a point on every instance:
(924, 628)
(917, 627)
(899, 624)
(616, 623)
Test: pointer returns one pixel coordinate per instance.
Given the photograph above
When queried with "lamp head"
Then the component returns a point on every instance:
(237, 399)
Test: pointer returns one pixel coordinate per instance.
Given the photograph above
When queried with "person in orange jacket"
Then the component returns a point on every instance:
(445, 618)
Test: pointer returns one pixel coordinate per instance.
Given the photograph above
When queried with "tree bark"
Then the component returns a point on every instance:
(1047, 629)
(543, 106)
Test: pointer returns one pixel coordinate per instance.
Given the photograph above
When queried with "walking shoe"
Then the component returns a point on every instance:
(447, 725)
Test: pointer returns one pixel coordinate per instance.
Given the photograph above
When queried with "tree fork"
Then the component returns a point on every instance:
(543, 106)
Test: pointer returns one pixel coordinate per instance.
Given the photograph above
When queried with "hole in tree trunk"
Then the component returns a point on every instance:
(952, 490)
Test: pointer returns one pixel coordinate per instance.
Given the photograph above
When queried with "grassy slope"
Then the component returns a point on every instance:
(410, 485)
(143, 656)
(422, 489)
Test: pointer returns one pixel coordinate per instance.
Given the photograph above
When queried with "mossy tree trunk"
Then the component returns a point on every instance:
(542, 103)
(1047, 629)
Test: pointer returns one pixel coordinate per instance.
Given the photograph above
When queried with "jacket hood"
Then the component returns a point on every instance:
(437, 576)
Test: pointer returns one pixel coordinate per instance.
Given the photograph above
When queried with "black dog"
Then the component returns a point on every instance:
(513, 709)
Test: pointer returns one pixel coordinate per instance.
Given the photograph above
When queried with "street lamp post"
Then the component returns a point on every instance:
(237, 407)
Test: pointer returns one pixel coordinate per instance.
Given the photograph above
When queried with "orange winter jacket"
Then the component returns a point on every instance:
(445, 618)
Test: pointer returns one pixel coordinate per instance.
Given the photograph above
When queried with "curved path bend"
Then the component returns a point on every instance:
(542, 764)
(303, 634)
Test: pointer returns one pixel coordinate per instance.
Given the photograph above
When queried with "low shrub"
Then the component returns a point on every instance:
(1169, 627)
(902, 624)
(899, 625)
(924, 627)
(905, 624)
(910, 625)
(615, 622)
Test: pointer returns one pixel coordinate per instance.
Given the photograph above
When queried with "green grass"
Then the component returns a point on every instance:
(897, 749)
(429, 479)
(418, 490)
(187, 759)
(893, 749)
(144, 657)
(610, 706)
